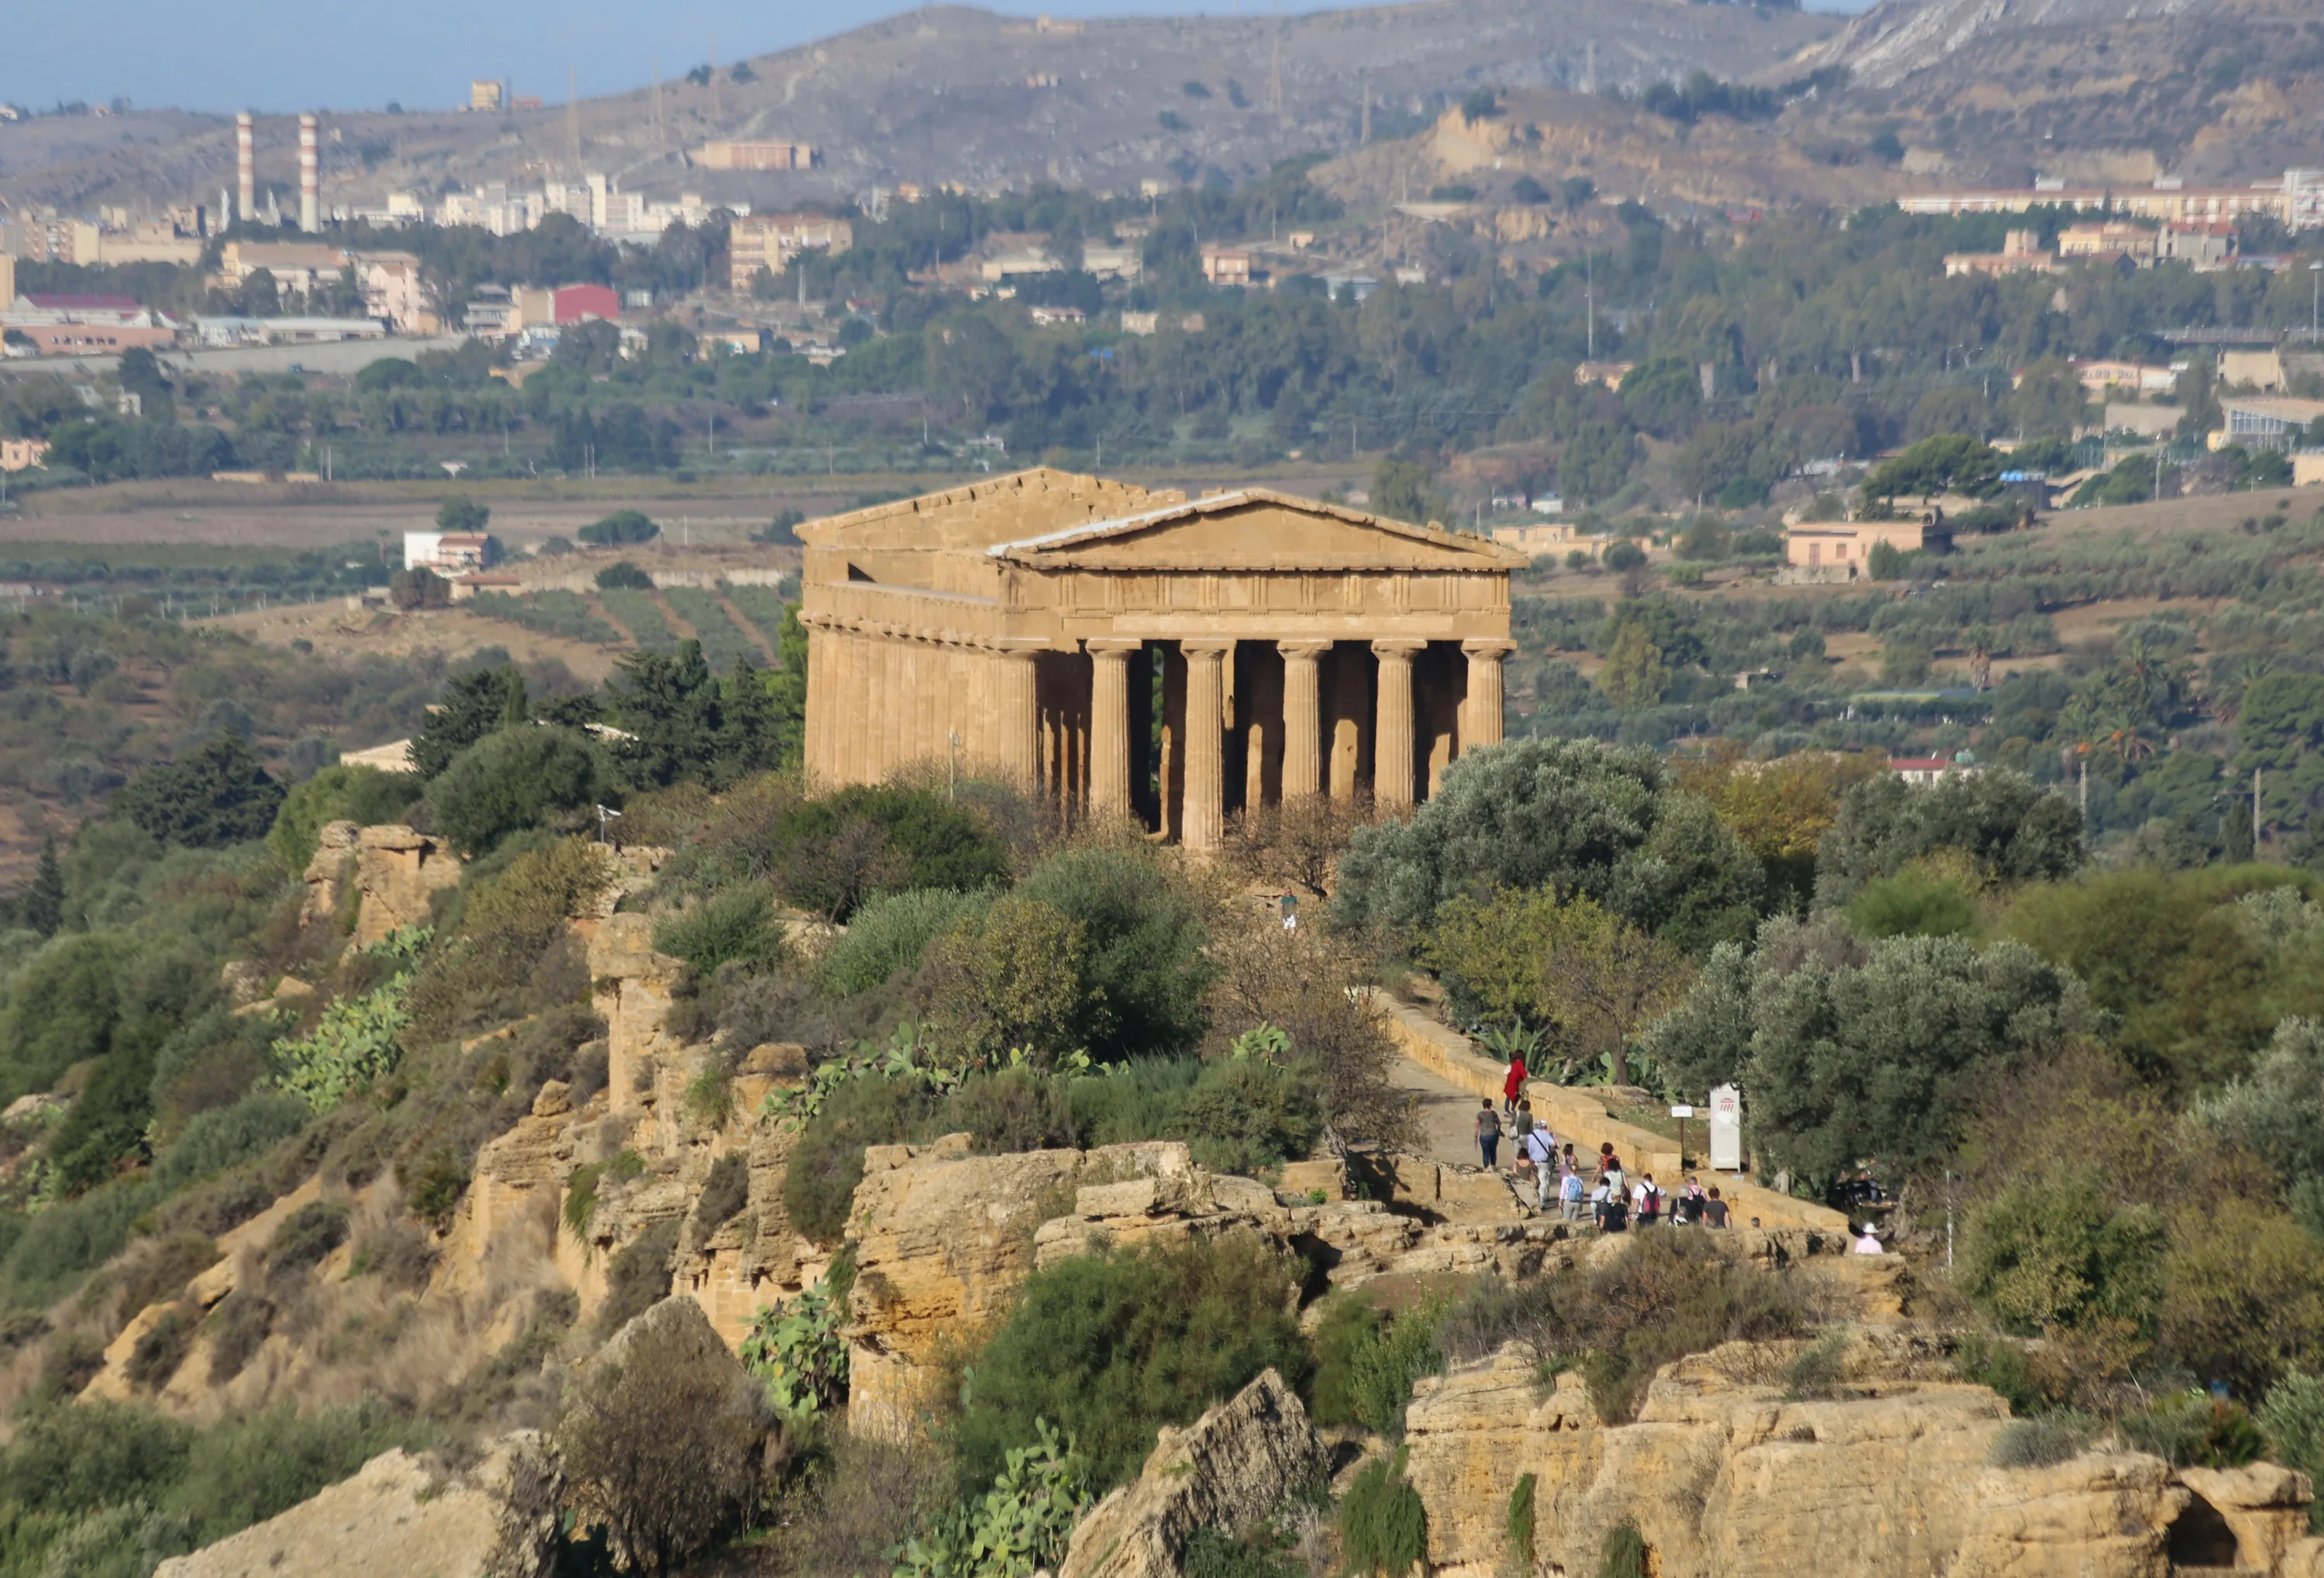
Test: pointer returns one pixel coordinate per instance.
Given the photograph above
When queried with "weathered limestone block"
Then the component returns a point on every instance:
(2105, 1514)
(632, 994)
(943, 1240)
(1226, 1471)
(1723, 1474)
(405, 1514)
(394, 871)
(2262, 1504)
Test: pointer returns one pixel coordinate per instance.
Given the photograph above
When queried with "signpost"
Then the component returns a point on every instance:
(1727, 1129)
(1682, 1113)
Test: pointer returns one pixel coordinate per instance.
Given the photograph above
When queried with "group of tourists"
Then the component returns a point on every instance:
(1602, 1191)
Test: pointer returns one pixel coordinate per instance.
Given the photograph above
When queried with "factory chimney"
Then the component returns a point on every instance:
(311, 176)
(246, 168)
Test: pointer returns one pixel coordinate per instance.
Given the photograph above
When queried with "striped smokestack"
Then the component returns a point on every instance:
(245, 168)
(311, 176)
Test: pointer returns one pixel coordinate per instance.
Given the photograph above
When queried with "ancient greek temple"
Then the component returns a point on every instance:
(1145, 654)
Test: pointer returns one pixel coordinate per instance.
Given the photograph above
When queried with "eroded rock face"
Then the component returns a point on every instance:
(1723, 1474)
(1226, 1471)
(405, 1514)
(391, 870)
(944, 1240)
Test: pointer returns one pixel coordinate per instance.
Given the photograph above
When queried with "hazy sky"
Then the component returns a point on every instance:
(276, 55)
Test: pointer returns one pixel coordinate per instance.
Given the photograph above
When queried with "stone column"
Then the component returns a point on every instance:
(1392, 730)
(1480, 718)
(1018, 720)
(1204, 817)
(1110, 725)
(1303, 722)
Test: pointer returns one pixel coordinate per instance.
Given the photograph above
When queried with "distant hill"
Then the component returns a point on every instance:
(955, 94)
(2123, 90)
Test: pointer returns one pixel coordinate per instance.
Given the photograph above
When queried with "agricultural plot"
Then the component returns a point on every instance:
(557, 613)
(763, 607)
(721, 643)
(637, 613)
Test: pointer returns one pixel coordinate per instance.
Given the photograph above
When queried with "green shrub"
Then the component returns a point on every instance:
(1814, 1375)
(2292, 1419)
(1211, 1553)
(364, 795)
(2049, 1250)
(432, 1186)
(2191, 1429)
(581, 1188)
(218, 793)
(224, 1137)
(306, 1236)
(62, 1007)
(623, 576)
(78, 1459)
(839, 849)
(243, 1470)
(162, 1348)
(517, 778)
(638, 1277)
(397, 1255)
(235, 1328)
(2001, 1365)
(827, 1162)
(725, 1192)
(1518, 1526)
(1912, 904)
(1112, 1346)
(1246, 1114)
(887, 935)
(1623, 1553)
(1365, 1362)
(1383, 1523)
(737, 925)
(2038, 1444)
(621, 527)
(62, 1244)
(1144, 973)
(1007, 1109)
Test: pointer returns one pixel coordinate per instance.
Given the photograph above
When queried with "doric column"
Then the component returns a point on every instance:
(1110, 725)
(1480, 721)
(1018, 720)
(1303, 722)
(1205, 820)
(1392, 726)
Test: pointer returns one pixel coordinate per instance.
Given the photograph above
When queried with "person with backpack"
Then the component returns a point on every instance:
(1569, 1192)
(1648, 1200)
(1489, 1134)
(1614, 1216)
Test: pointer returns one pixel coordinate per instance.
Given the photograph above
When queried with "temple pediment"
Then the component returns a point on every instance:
(1254, 530)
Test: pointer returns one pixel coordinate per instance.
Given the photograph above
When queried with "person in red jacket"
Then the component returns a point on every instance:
(1513, 1083)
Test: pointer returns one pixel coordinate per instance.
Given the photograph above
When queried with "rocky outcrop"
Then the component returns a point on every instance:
(1723, 1472)
(403, 1513)
(1226, 1471)
(634, 991)
(943, 1240)
(387, 873)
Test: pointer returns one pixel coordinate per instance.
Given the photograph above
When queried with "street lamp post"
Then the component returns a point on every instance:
(2315, 283)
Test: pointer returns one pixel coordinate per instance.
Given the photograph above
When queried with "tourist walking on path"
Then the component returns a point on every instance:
(1513, 1083)
(1648, 1200)
(1489, 1134)
(1569, 1196)
(1522, 1124)
(1540, 1148)
(1714, 1209)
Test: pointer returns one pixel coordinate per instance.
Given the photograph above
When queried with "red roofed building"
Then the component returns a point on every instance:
(580, 303)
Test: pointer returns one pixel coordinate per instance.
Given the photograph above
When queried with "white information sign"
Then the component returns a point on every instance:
(1727, 1129)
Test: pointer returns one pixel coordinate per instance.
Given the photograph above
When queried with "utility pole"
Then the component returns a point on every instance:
(1590, 297)
(661, 143)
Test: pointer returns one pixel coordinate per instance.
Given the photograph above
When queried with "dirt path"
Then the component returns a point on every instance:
(597, 607)
(1446, 1114)
(681, 627)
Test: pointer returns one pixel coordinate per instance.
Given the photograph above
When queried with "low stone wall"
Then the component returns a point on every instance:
(1572, 1114)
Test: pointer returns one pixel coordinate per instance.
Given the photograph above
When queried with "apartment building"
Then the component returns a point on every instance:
(770, 242)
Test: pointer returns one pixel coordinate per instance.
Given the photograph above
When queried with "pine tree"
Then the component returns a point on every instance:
(45, 901)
